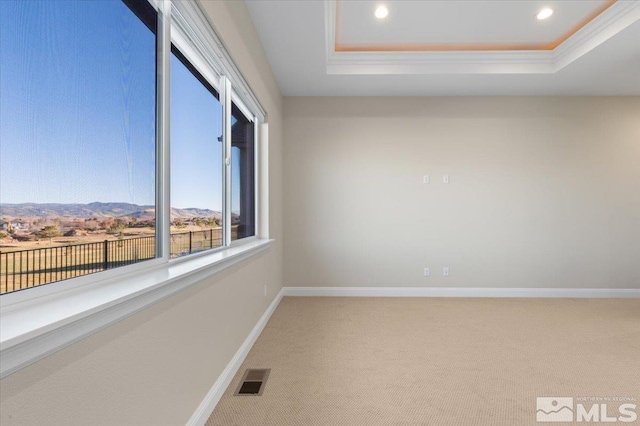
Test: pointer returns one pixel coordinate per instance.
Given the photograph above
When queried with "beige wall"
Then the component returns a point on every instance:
(544, 192)
(155, 367)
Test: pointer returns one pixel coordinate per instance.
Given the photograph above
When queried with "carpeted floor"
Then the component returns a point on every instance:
(436, 361)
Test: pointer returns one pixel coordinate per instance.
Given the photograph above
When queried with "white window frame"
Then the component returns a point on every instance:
(201, 60)
(41, 320)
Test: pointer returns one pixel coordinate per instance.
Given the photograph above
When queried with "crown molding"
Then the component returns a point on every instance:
(606, 25)
(613, 20)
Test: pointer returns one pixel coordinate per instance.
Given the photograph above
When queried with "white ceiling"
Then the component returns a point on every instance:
(460, 22)
(298, 39)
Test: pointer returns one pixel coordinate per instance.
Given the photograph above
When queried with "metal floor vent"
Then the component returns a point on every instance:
(253, 382)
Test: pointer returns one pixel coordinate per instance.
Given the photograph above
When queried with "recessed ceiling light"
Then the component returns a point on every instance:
(544, 13)
(382, 12)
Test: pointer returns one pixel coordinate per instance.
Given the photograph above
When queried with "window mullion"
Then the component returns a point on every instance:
(227, 160)
(163, 180)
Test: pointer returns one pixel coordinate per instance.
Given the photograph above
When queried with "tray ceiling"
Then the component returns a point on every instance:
(435, 48)
(460, 25)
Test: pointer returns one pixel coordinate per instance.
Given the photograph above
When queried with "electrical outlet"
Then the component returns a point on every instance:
(425, 179)
(445, 179)
(445, 272)
(426, 272)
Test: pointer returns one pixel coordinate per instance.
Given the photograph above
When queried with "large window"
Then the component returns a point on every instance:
(77, 138)
(107, 162)
(128, 140)
(196, 160)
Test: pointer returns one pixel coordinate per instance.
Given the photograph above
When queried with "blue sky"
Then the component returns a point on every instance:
(77, 110)
(196, 153)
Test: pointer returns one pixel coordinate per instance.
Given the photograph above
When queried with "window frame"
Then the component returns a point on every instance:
(51, 289)
(191, 46)
(195, 60)
(40, 320)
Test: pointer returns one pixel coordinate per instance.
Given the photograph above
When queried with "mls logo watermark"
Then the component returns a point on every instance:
(550, 409)
(586, 409)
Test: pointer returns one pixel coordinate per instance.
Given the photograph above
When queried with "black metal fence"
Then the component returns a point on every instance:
(183, 243)
(30, 268)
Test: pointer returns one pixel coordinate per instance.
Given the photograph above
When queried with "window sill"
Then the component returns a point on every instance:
(33, 329)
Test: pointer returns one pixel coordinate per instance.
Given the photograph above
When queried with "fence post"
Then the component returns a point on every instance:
(190, 238)
(106, 254)
(211, 237)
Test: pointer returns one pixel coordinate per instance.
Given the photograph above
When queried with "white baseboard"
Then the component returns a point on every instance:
(204, 410)
(462, 292)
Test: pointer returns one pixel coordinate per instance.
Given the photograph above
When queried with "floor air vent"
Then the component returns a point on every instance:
(253, 382)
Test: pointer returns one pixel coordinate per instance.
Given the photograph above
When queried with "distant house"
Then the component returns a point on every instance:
(19, 225)
(14, 225)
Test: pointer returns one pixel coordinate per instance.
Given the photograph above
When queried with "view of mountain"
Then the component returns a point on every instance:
(98, 210)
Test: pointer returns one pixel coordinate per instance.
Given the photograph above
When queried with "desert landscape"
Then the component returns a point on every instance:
(43, 243)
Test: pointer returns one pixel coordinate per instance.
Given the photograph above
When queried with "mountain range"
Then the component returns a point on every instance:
(98, 210)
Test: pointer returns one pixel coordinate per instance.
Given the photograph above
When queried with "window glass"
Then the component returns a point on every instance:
(242, 175)
(196, 160)
(77, 138)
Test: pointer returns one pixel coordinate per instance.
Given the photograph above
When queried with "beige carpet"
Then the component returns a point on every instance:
(436, 361)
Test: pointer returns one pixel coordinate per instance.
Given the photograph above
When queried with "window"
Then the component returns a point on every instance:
(87, 182)
(243, 220)
(196, 160)
(102, 154)
(77, 139)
